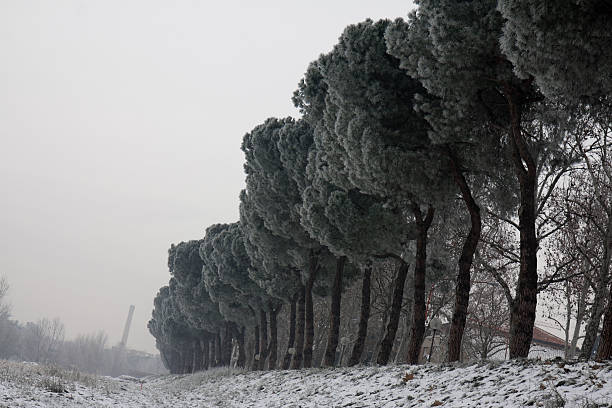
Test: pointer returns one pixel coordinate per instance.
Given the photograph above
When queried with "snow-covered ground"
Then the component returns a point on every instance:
(495, 384)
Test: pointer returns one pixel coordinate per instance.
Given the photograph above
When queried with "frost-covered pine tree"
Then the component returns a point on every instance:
(361, 105)
(272, 268)
(192, 299)
(174, 337)
(470, 156)
(351, 224)
(453, 48)
(275, 196)
(238, 298)
(295, 144)
(564, 45)
(227, 262)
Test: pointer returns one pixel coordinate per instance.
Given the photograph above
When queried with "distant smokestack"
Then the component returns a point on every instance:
(126, 329)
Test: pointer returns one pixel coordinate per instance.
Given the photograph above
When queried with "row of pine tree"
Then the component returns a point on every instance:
(409, 129)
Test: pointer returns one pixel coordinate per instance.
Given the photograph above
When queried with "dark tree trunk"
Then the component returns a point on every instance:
(205, 352)
(394, 314)
(263, 339)
(291, 342)
(226, 355)
(184, 369)
(462, 291)
(197, 356)
(218, 350)
(592, 327)
(273, 346)
(255, 365)
(363, 318)
(309, 314)
(181, 360)
(298, 354)
(188, 360)
(179, 363)
(605, 344)
(334, 315)
(524, 308)
(241, 351)
(604, 352)
(170, 362)
(213, 351)
(249, 348)
(420, 269)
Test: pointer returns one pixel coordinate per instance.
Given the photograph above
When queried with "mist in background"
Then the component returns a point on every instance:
(120, 132)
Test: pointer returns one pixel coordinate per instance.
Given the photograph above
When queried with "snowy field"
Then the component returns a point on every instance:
(498, 384)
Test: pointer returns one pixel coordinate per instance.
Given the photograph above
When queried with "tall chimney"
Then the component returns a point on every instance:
(126, 329)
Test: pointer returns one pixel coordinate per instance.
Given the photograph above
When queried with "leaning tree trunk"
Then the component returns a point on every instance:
(273, 346)
(290, 343)
(420, 268)
(604, 352)
(334, 315)
(255, 364)
(605, 344)
(263, 339)
(592, 327)
(462, 290)
(394, 314)
(363, 318)
(309, 315)
(524, 308)
(298, 354)
(596, 312)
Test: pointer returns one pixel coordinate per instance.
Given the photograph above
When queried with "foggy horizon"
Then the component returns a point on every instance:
(121, 128)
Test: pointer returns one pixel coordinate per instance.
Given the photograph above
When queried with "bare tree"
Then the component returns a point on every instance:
(9, 330)
(487, 321)
(88, 353)
(5, 307)
(593, 139)
(42, 340)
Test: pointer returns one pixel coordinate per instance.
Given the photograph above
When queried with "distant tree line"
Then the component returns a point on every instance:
(44, 341)
(466, 149)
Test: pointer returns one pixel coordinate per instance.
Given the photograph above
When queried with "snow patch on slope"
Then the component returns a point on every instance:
(490, 384)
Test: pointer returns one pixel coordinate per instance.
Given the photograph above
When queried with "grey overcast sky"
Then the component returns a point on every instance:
(120, 131)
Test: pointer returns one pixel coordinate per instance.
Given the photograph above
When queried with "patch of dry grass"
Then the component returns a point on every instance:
(49, 377)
